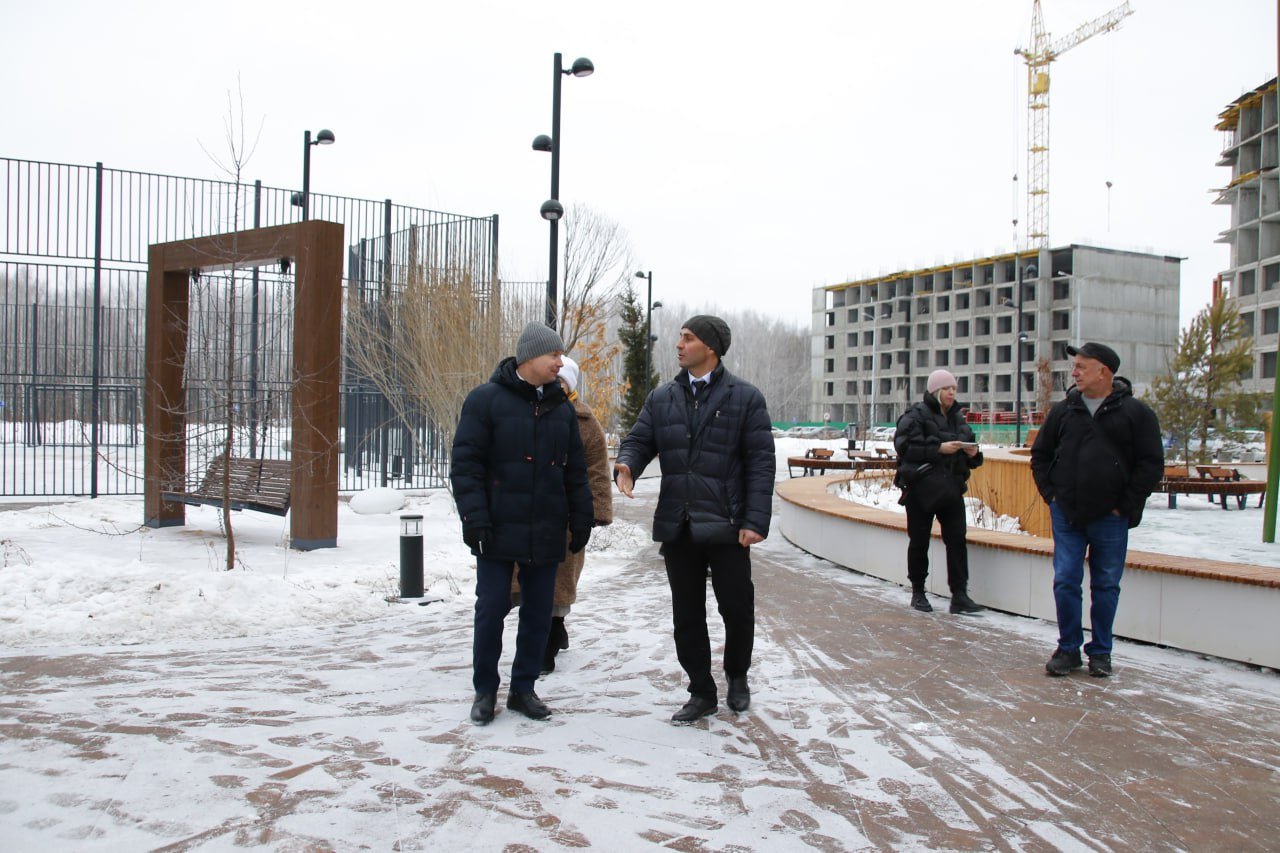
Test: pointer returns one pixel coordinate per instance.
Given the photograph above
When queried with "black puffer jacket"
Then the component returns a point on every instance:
(716, 453)
(519, 468)
(1093, 464)
(921, 431)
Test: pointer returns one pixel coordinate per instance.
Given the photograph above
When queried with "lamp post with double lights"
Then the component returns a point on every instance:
(323, 137)
(1020, 337)
(649, 305)
(552, 210)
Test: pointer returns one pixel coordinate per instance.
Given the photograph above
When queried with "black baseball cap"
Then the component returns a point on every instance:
(1100, 352)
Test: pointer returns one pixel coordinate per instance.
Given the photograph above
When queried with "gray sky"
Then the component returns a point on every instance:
(753, 150)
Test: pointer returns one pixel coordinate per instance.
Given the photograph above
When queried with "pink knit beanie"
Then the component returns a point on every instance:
(940, 379)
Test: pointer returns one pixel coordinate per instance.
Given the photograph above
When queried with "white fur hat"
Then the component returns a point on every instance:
(569, 373)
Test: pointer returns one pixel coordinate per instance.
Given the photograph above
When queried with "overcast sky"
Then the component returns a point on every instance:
(753, 150)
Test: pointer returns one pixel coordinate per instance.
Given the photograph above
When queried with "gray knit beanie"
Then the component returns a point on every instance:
(537, 339)
(711, 330)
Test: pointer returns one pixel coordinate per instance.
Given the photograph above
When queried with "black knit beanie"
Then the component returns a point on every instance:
(712, 331)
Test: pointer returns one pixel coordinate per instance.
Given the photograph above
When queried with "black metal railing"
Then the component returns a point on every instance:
(73, 255)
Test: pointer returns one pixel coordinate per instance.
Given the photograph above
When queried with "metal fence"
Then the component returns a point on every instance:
(73, 254)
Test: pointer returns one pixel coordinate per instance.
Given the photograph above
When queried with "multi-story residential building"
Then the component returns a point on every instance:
(1253, 280)
(876, 341)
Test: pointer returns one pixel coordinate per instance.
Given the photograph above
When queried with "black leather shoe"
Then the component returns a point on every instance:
(1062, 663)
(695, 709)
(739, 694)
(482, 708)
(920, 602)
(528, 704)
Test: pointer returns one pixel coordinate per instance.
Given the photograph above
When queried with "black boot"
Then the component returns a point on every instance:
(549, 656)
(962, 603)
(920, 602)
(559, 636)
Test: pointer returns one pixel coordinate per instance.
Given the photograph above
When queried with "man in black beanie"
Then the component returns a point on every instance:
(519, 475)
(713, 438)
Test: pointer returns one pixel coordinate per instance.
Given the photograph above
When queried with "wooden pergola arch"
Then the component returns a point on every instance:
(315, 248)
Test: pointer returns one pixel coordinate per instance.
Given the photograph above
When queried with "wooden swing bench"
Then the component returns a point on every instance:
(263, 485)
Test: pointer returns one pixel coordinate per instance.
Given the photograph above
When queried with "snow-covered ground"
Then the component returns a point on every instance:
(88, 572)
(153, 699)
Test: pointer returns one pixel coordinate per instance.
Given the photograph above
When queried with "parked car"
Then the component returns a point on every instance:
(882, 433)
(1248, 445)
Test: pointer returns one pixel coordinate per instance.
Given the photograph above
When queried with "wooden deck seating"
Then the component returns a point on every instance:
(263, 485)
(1217, 482)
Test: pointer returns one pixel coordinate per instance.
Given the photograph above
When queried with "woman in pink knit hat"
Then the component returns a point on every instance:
(936, 451)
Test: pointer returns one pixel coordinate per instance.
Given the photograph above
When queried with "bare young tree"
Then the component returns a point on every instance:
(598, 264)
(238, 153)
(426, 342)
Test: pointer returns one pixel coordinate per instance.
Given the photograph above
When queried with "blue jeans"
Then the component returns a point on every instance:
(1107, 540)
(493, 603)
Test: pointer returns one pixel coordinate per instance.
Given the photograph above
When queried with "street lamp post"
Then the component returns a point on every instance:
(552, 210)
(870, 314)
(1019, 337)
(323, 137)
(649, 305)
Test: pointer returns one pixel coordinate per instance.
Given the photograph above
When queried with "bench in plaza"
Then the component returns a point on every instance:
(1217, 482)
(263, 485)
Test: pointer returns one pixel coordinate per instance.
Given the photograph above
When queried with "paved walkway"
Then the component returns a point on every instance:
(873, 727)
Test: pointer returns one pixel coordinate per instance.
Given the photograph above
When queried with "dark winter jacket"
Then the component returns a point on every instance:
(1093, 464)
(921, 431)
(519, 469)
(717, 458)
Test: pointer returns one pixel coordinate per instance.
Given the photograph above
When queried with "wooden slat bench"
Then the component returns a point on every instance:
(1216, 482)
(814, 462)
(264, 485)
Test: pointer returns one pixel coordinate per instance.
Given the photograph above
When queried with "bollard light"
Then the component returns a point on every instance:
(411, 556)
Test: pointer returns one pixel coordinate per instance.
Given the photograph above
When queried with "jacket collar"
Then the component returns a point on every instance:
(505, 375)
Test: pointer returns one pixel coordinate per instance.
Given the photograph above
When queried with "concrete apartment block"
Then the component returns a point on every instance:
(1253, 194)
(875, 341)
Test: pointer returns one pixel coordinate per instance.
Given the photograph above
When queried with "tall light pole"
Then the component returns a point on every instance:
(1019, 337)
(870, 314)
(552, 210)
(649, 305)
(323, 137)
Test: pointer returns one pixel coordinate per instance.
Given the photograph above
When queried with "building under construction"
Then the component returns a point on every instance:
(998, 323)
(1250, 149)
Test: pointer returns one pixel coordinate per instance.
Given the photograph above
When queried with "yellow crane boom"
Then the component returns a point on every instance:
(1038, 57)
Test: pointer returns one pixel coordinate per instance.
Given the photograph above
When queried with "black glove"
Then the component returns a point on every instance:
(479, 538)
(578, 538)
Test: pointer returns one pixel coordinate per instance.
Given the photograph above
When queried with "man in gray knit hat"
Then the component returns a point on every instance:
(519, 475)
(711, 433)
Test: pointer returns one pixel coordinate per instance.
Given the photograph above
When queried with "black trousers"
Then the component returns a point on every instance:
(493, 603)
(951, 516)
(687, 564)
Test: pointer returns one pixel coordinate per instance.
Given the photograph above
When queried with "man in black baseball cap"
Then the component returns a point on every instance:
(1096, 460)
(1098, 352)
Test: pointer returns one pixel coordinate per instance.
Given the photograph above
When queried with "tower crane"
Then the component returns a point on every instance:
(1038, 57)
